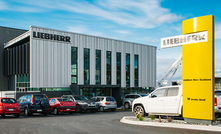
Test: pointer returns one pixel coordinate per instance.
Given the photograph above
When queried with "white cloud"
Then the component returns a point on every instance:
(3, 5)
(138, 14)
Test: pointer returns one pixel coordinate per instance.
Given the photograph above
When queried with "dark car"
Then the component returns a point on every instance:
(34, 103)
(82, 103)
(9, 106)
(129, 98)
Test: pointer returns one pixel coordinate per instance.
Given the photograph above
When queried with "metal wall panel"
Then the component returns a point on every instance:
(51, 63)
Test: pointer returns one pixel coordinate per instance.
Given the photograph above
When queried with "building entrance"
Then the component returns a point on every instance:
(91, 92)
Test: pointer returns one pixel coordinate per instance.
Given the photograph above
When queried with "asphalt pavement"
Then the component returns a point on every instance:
(84, 123)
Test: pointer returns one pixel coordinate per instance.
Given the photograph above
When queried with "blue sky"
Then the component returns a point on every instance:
(140, 21)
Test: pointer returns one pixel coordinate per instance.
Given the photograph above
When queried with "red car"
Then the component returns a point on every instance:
(9, 106)
(61, 105)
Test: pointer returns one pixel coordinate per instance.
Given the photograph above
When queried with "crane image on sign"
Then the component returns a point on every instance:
(172, 70)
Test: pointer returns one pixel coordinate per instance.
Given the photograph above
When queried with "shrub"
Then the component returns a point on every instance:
(153, 117)
(139, 117)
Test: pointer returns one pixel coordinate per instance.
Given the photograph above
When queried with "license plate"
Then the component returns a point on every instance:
(91, 105)
(10, 109)
(39, 110)
(68, 109)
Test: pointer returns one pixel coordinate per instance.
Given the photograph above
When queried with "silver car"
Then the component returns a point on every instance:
(105, 103)
(129, 98)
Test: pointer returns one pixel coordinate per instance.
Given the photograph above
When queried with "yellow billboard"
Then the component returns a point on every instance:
(198, 70)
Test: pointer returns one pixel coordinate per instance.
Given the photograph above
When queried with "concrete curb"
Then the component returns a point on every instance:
(170, 125)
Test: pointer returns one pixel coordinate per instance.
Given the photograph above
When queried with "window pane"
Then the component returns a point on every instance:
(136, 69)
(108, 67)
(127, 69)
(74, 61)
(98, 67)
(173, 92)
(86, 65)
(159, 93)
(118, 68)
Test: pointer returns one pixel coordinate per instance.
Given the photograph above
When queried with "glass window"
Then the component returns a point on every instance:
(39, 97)
(108, 66)
(159, 93)
(74, 61)
(8, 100)
(118, 68)
(110, 99)
(136, 96)
(62, 99)
(127, 69)
(86, 66)
(80, 98)
(136, 70)
(172, 92)
(128, 96)
(98, 67)
(29, 98)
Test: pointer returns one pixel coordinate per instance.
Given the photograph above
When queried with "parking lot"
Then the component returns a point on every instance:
(86, 122)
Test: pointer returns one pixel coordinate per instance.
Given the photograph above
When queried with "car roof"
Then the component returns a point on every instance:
(101, 96)
(6, 98)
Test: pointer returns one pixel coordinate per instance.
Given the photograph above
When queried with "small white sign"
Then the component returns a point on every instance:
(183, 39)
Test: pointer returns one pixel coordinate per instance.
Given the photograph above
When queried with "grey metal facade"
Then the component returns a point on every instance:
(50, 60)
(6, 34)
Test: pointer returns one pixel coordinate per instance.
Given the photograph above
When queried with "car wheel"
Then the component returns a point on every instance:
(3, 115)
(56, 111)
(101, 109)
(78, 109)
(16, 115)
(139, 110)
(70, 112)
(127, 105)
(26, 112)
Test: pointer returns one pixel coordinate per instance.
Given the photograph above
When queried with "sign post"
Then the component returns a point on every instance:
(198, 71)
(198, 68)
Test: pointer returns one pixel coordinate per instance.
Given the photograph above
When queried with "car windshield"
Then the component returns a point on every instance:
(80, 98)
(39, 97)
(8, 100)
(62, 99)
(217, 92)
(143, 95)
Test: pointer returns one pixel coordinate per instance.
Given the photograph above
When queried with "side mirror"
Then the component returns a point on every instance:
(153, 96)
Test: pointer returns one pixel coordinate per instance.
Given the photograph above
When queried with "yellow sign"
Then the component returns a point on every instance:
(198, 70)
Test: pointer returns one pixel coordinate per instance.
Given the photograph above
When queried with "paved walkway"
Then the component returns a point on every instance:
(132, 120)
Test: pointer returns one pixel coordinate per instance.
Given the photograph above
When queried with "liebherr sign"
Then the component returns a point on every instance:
(183, 39)
(51, 36)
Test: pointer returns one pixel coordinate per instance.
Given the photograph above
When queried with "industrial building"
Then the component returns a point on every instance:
(47, 60)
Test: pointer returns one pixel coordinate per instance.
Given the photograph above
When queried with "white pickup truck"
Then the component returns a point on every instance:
(166, 101)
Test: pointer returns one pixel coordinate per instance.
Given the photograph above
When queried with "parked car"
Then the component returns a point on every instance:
(129, 98)
(166, 101)
(162, 101)
(105, 103)
(82, 103)
(9, 106)
(217, 103)
(61, 105)
(34, 103)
